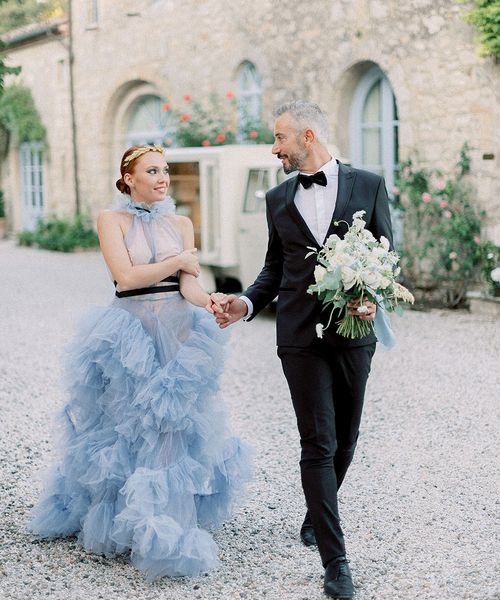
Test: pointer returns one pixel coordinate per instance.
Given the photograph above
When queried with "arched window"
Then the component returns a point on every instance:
(249, 95)
(374, 129)
(374, 126)
(149, 123)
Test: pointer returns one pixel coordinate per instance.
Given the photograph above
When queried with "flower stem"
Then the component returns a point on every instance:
(353, 327)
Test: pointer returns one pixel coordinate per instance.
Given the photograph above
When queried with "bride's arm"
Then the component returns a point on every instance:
(190, 288)
(128, 276)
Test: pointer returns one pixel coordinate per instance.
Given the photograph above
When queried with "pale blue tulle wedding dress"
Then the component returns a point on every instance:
(147, 462)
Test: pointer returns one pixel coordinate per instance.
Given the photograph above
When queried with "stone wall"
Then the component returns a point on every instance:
(445, 93)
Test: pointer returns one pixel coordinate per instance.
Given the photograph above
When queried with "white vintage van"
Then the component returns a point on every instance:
(222, 189)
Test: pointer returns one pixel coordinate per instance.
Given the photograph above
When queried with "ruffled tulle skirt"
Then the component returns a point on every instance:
(147, 462)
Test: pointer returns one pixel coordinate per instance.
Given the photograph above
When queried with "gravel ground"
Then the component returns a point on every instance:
(417, 505)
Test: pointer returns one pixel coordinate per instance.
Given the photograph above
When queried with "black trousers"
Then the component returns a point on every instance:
(327, 385)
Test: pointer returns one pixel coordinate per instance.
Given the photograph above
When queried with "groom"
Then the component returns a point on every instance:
(327, 377)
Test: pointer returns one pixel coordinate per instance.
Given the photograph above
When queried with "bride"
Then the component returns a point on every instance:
(148, 464)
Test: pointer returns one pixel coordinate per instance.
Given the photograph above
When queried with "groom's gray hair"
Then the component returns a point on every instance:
(307, 115)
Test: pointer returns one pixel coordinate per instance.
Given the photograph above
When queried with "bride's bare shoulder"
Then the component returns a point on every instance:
(182, 222)
(109, 217)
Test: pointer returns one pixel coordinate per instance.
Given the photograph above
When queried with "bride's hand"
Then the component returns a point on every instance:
(189, 262)
(216, 303)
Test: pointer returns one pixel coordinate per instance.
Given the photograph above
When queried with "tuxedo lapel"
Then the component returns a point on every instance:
(290, 191)
(346, 182)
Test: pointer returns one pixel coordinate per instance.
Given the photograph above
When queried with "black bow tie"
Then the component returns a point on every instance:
(308, 180)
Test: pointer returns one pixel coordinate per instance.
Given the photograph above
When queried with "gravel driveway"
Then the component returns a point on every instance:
(417, 505)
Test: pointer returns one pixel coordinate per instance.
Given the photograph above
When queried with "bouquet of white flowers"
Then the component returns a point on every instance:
(354, 268)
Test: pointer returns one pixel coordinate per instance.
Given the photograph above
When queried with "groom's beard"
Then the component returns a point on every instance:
(295, 160)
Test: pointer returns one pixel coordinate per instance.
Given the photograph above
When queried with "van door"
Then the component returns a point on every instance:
(185, 190)
(253, 234)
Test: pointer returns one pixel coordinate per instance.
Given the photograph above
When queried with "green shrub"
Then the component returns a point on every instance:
(2, 205)
(490, 266)
(63, 235)
(443, 248)
(19, 115)
(485, 16)
(26, 238)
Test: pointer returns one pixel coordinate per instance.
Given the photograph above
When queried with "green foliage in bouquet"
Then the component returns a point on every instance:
(443, 248)
(63, 235)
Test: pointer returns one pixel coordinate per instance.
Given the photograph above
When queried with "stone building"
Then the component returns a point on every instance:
(398, 79)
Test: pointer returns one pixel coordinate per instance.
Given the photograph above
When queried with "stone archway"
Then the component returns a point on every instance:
(368, 113)
(117, 118)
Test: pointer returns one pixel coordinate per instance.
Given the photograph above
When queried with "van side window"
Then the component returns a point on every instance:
(257, 186)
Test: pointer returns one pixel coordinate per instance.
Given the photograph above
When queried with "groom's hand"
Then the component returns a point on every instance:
(233, 310)
(366, 312)
(216, 303)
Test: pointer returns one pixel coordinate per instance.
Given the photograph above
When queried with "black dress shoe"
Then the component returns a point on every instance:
(338, 580)
(307, 534)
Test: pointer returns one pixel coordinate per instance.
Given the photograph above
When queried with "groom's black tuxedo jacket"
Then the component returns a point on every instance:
(288, 274)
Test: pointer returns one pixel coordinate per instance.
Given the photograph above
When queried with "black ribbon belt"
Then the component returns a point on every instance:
(172, 287)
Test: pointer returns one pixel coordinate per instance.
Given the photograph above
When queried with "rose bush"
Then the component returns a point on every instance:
(443, 248)
(214, 123)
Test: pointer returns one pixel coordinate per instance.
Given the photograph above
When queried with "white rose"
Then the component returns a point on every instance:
(385, 242)
(378, 252)
(495, 275)
(368, 235)
(319, 273)
(332, 241)
(385, 282)
(371, 279)
(359, 214)
(358, 224)
(348, 277)
(340, 246)
(343, 259)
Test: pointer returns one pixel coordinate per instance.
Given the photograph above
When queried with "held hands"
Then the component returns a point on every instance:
(189, 262)
(216, 303)
(227, 309)
(365, 312)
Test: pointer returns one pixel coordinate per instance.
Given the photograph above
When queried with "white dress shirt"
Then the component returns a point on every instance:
(315, 205)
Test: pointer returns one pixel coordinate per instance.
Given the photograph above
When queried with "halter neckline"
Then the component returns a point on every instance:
(146, 211)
